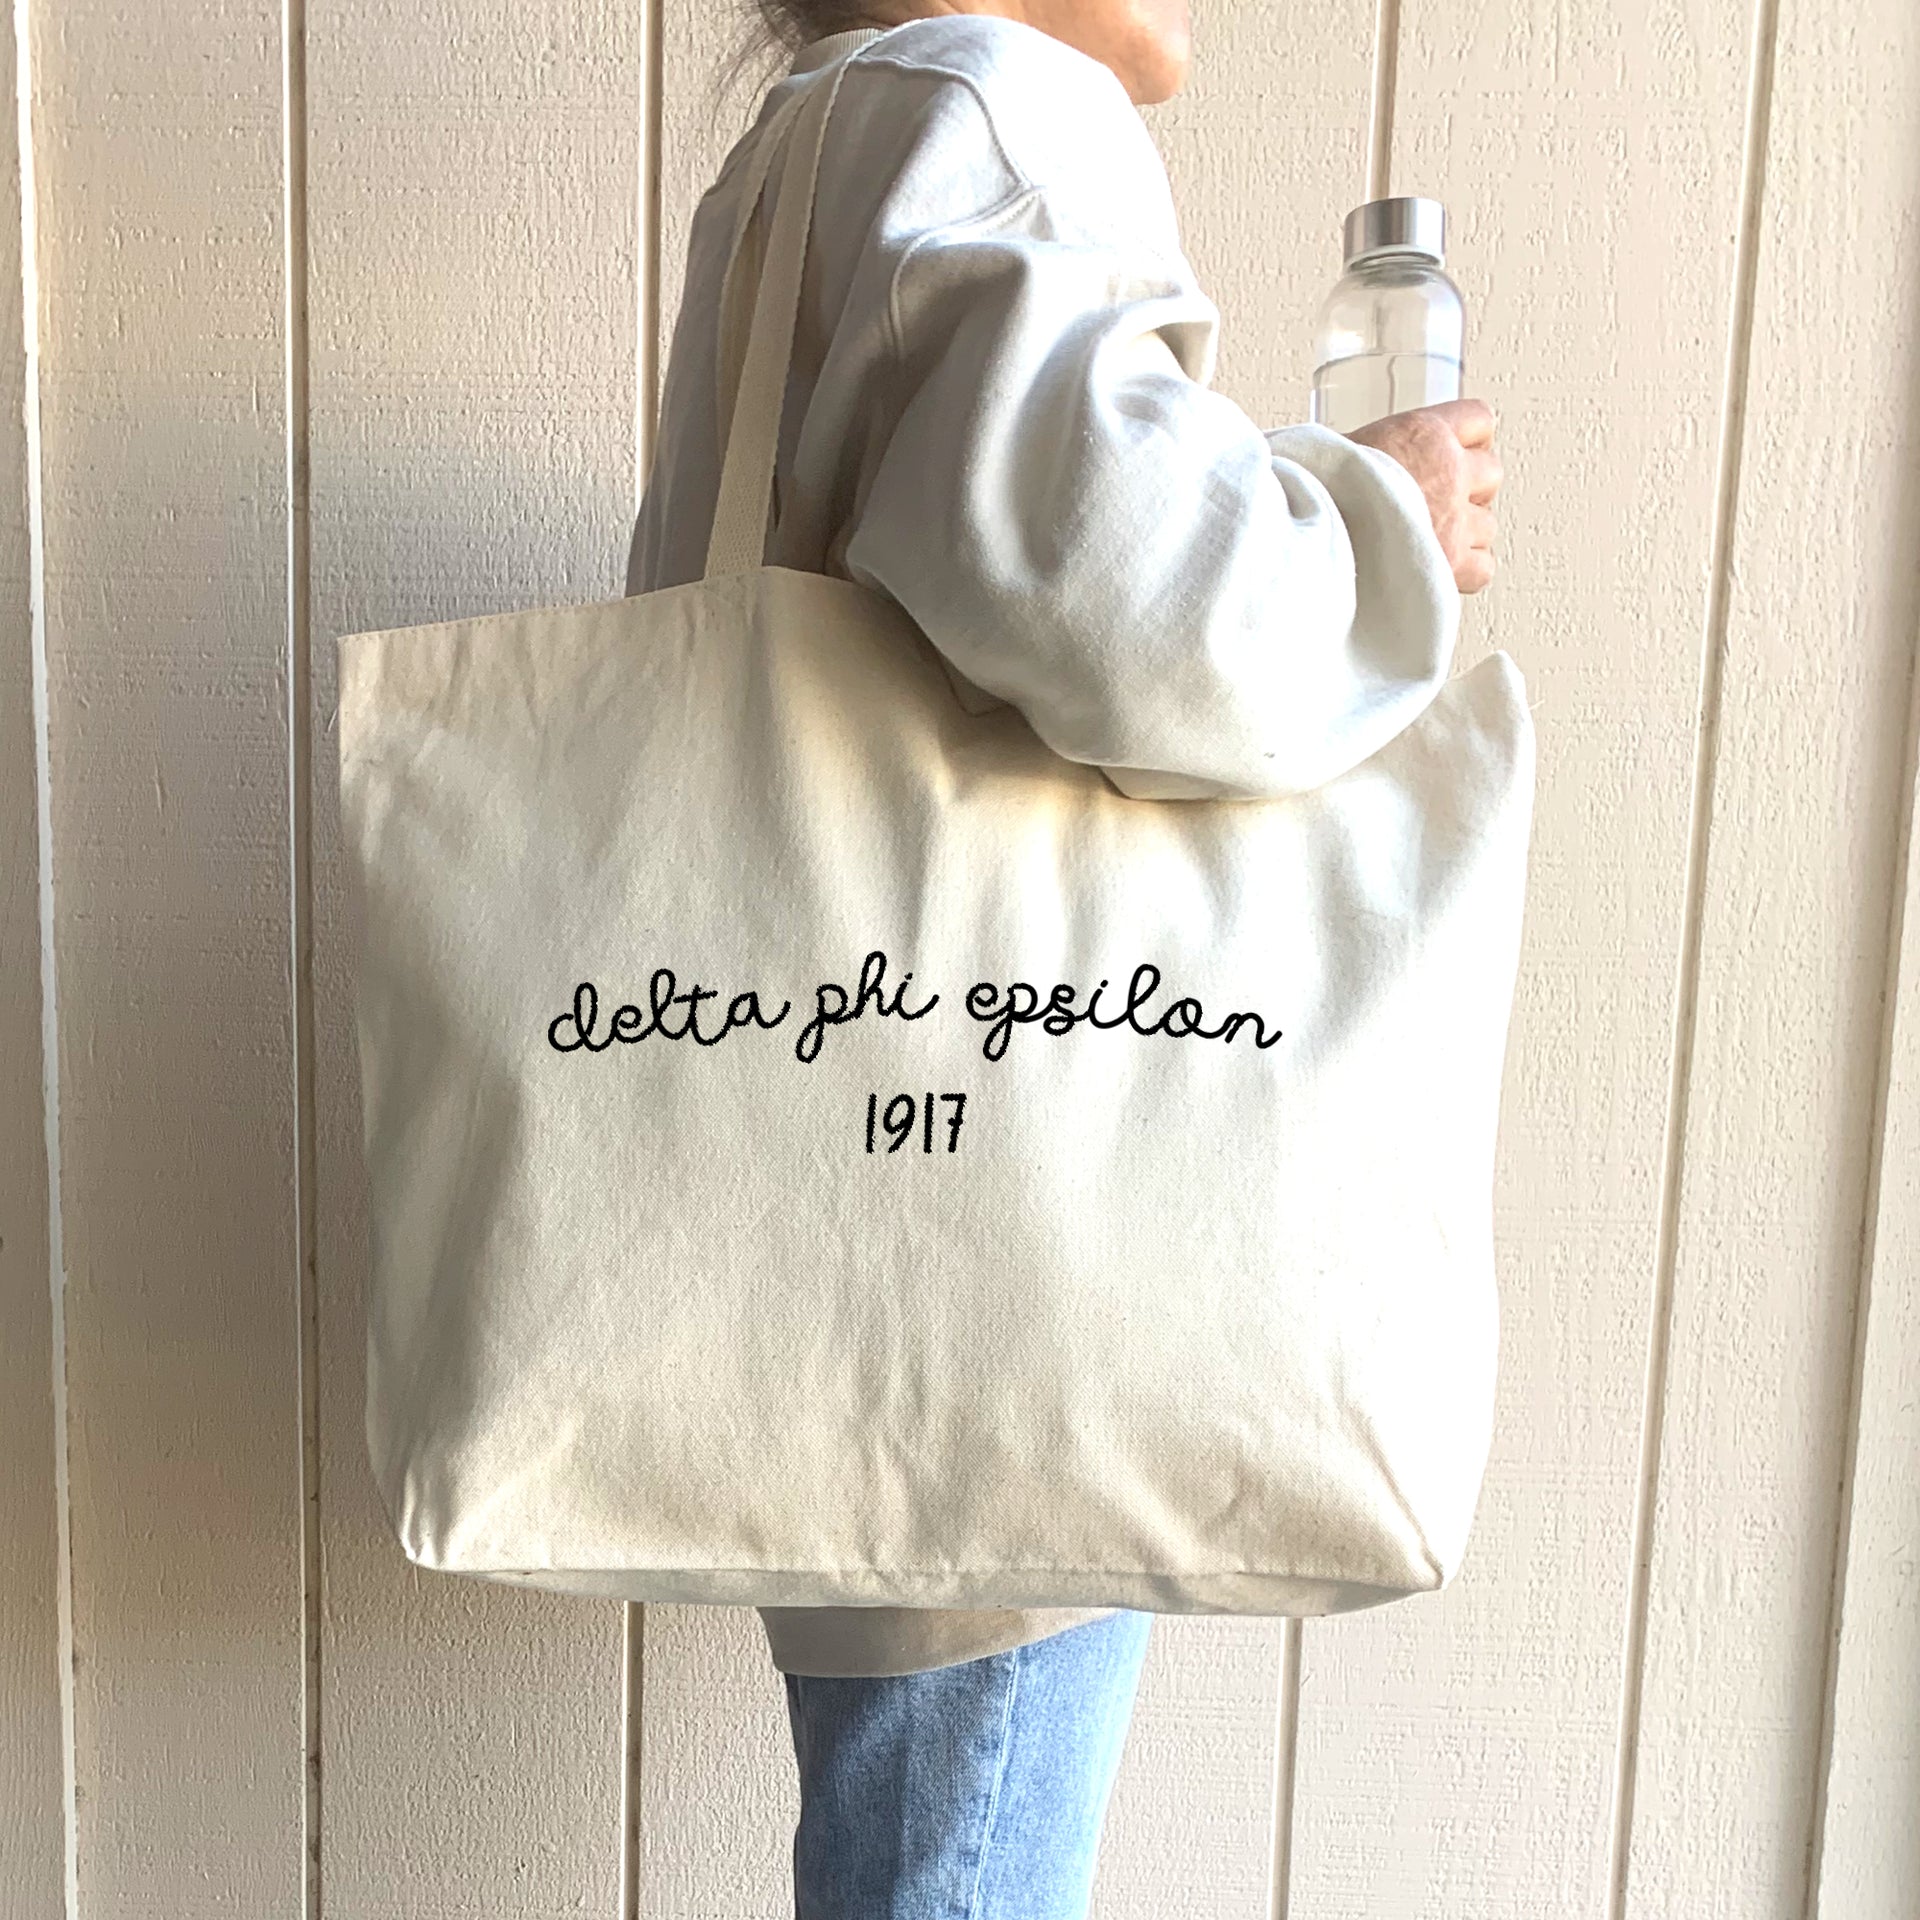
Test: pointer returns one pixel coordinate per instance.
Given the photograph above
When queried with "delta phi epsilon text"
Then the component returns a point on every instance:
(674, 1012)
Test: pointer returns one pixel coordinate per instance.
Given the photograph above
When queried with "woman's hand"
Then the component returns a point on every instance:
(1449, 450)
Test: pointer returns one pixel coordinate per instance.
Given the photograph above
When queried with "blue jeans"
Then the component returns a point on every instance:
(970, 1792)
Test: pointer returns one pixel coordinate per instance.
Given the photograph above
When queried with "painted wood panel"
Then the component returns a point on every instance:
(718, 1795)
(1809, 783)
(32, 1769)
(1457, 1753)
(1190, 1827)
(158, 176)
(471, 180)
(449, 384)
(1868, 1845)
(1263, 148)
(1263, 152)
(717, 1792)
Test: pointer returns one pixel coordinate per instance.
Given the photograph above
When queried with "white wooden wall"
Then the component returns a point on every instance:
(321, 315)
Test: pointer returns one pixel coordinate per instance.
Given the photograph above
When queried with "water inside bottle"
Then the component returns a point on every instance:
(1349, 393)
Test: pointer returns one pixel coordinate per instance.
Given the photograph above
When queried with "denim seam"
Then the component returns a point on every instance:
(999, 1776)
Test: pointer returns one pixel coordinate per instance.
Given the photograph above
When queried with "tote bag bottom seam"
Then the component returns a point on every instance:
(997, 1570)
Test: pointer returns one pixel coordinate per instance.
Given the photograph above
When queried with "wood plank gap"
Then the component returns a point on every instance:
(1900, 887)
(646, 401)
(647, 344)
(633, 1675)
(49, 970)
(1286, 1756)
(1386, 69)
(1733, 410)
(299, 672)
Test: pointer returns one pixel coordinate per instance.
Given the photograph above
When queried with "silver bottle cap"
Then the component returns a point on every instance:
(1405, 224)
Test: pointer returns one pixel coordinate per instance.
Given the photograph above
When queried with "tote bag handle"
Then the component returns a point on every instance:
(745, 253)
(738, 540)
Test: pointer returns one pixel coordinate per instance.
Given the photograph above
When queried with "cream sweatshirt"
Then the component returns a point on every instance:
(1000, 416)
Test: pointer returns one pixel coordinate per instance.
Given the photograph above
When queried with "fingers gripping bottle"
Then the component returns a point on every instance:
(1390, 335)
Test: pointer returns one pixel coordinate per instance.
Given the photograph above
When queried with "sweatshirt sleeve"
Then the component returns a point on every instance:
(1083, 527)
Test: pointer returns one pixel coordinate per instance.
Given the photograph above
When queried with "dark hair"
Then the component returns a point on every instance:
(792, 23)
(777, 29)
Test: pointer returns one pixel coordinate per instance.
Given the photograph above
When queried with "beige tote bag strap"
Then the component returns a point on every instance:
(744, 254)
(738, 540)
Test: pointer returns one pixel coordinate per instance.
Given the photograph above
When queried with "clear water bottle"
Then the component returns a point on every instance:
(1391, 333)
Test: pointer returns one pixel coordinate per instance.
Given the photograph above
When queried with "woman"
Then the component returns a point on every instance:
(1000, 416)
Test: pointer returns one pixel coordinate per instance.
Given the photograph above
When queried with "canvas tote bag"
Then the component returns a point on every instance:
(825, 1149)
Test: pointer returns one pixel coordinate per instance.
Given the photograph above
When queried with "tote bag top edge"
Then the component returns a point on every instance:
(479, 624)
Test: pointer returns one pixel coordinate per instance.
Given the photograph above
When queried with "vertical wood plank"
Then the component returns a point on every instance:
(648, 371)
(718, 1796)
(1266, 152)
(709, 94)
(1190, 1828)
(1869, 1845)
(158, 156)
(1456, 1753)
(1266, 149)
(32, 1836)
(1799, 889)
(718, 1792)
(472, 217)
